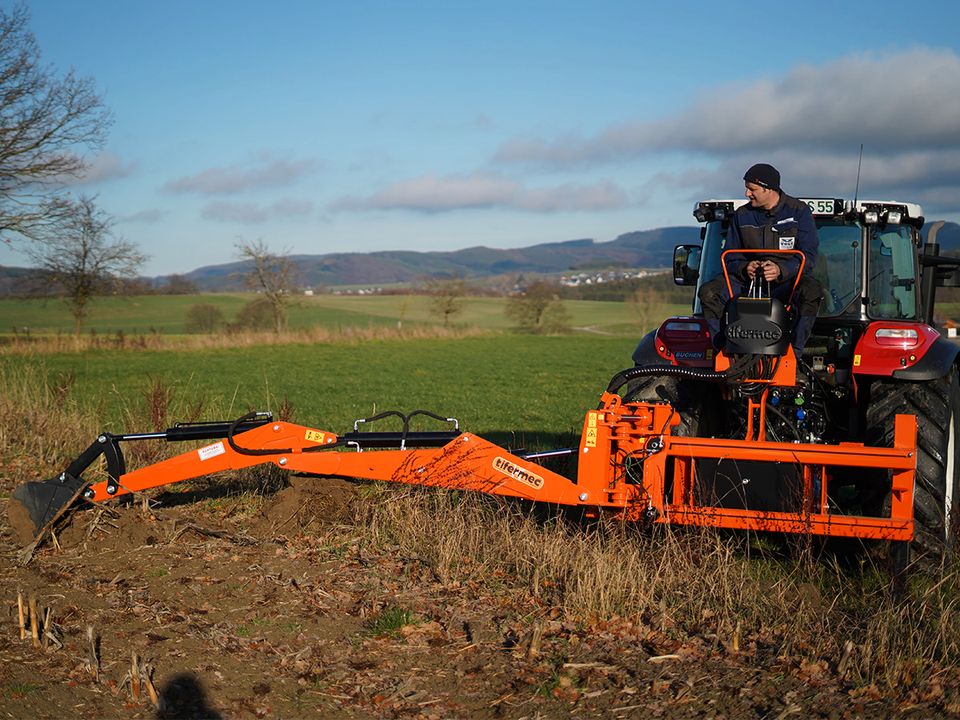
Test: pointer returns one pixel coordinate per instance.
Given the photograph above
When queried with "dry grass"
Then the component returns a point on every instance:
(38, 419)
(46, 344)
(761, 602)
(43, 428)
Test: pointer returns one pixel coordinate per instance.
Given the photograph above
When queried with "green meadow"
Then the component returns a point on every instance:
(167, 314)
(519, 388)
(532, 386)
(520, 391)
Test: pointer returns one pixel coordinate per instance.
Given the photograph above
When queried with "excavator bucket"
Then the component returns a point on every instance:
(34, 507)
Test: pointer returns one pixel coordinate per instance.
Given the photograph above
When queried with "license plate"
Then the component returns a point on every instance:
(820, 206)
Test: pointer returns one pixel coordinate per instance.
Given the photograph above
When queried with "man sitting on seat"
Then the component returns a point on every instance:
(776, 221)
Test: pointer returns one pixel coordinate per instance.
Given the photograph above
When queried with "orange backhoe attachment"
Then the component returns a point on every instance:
(628, 463)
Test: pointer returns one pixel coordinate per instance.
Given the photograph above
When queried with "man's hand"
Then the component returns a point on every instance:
(768, 269)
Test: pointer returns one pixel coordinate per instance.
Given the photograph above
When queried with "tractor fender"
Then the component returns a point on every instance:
(935, 363)
(646, 352)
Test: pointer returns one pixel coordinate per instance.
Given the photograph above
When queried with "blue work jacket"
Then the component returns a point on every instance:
(788, 226)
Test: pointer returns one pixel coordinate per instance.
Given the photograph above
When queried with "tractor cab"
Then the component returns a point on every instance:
(889, 230)
(870, 265)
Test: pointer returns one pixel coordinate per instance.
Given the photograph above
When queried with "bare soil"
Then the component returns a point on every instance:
(279, 612)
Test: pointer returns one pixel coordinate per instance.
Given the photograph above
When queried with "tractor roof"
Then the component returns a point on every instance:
(888, 210)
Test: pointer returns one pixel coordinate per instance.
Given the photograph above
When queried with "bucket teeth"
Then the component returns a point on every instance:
(35, 506)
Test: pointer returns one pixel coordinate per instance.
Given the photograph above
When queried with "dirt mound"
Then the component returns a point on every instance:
(306, 504)
(122, 526)
(20, 522)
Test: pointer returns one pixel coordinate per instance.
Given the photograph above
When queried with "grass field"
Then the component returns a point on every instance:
(493, 384)
(167, 313)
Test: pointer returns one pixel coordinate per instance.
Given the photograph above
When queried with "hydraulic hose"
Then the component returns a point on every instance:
(249, 451)
(358, 439)
(246, 419)
(689, 373)
(786, 421)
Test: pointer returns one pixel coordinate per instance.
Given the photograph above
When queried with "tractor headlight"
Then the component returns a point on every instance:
(898, 337)
(680, 326)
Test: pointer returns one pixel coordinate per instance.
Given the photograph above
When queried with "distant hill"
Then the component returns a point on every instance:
(640, 249)
(13, 279)
(948, 236)
(647, 248)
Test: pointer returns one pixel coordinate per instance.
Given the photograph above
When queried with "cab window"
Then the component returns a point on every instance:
(839, 263)
(893, 283)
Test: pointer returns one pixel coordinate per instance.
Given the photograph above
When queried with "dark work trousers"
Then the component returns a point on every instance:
(714, 298)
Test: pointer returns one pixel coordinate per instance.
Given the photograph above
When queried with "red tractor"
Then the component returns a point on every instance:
(748, 436)
(874, 353)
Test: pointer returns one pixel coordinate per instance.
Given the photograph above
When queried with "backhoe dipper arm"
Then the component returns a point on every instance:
(252, 447)
(35, 506)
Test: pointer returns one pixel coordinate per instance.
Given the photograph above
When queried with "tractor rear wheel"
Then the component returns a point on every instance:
(936, 501)
(688, 398)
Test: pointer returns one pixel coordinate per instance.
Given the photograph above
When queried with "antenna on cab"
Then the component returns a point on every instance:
(856, 191)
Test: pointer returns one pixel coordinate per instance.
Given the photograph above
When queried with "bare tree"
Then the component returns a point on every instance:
(79, 257)
(272, 275)
(446, 297)
(204, 318)
(45, 119)
(254, 315)
(539, 310)
(647, 305)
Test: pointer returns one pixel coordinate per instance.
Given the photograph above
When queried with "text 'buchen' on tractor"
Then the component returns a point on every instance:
(747, 436)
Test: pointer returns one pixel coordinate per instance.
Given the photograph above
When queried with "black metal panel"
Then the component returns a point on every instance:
(749, 485)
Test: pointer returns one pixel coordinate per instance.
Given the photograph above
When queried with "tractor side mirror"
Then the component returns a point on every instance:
(945, 268)
(686, 264)
(948, 278)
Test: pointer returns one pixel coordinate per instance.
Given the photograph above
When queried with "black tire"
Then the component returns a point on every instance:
(936, 502)
(687, 397)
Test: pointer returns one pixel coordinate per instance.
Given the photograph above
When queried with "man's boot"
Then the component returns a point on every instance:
(713, 325)
(801, 333)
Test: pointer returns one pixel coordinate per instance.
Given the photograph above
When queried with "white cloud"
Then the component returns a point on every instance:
(892, 103)
(430, 193)
(101, 168)
(255, 213)
(904, 107)
(148, 216)
(930, 178)
(265, 171)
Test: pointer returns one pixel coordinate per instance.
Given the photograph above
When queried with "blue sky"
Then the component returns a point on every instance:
(324, 127)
